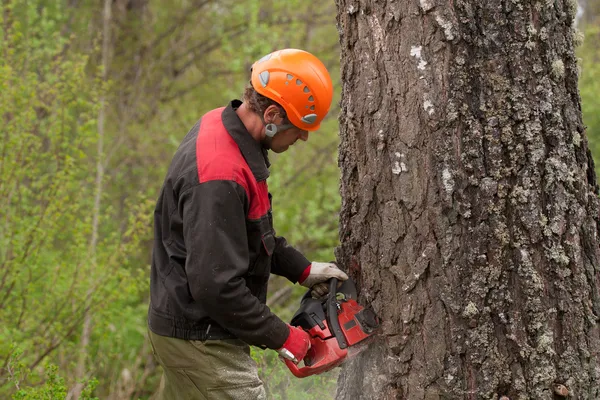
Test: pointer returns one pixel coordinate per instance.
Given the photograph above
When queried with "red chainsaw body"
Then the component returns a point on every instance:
(351, 326)
(334, 324)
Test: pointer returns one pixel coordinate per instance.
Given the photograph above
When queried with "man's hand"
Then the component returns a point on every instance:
(296, 346)
(318, 274)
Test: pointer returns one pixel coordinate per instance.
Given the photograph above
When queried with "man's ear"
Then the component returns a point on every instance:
(270, 113)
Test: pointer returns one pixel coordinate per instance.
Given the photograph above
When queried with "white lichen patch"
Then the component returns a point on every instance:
(380, 140)
(526, 270)
(378, 35)
(447, 180)
(470, 310)
(503, 318)
(407, 313)
(545, 341)
(446, 26)
(428, 106)
(520, 194)
(558, 171)
(557, 254)
(577, 139)
(525, 259)
(558, 69)
(531, 30)
(399, 165)
(426, 5)
(415, 51)
(451, 113)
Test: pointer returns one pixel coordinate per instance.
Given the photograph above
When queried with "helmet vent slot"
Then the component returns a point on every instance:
(309, 119)
(311, 98)
(290, 77)
(298, 82)
(264, 78)
(265, 58)
(306, 89)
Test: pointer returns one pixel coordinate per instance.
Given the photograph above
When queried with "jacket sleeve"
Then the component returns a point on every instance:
(214, 228)
(287, 261)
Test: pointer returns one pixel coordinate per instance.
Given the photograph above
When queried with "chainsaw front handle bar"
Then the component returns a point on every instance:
(332, 314)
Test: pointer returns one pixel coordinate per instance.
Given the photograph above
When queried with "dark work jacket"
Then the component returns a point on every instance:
(214, 243)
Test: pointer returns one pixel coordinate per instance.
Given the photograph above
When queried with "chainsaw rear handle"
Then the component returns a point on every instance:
(322, 356)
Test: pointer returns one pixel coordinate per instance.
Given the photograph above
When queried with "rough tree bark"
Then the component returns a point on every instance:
(470, 209)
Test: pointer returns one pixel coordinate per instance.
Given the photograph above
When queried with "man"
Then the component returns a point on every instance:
(214, 242)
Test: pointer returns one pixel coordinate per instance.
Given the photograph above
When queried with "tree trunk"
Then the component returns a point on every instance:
(86, 331)
(469, 200)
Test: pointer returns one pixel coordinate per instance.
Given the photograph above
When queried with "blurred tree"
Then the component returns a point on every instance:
(50, 275)
(469, 200)
(81, 370)
(589, 85)
(589, 12)
(167, 63)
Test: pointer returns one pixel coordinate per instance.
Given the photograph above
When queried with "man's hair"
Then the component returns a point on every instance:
(258, 103)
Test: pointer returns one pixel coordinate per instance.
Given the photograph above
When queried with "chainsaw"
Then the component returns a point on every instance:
(334, 324)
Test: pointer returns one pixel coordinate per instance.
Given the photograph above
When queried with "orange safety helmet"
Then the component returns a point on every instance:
(297, 81)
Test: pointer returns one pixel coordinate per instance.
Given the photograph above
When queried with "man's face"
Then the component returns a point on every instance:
(283, 139)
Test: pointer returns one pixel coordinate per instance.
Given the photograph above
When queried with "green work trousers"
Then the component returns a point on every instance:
(206, 370)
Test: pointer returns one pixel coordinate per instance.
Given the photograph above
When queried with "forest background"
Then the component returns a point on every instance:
(94, 99)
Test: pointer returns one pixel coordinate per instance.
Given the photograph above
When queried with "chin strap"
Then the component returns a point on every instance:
(271, 129)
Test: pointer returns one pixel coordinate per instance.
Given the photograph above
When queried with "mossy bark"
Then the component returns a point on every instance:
(469, 200)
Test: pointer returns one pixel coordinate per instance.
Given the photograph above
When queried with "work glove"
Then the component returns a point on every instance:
(316, 276)
(296, 346)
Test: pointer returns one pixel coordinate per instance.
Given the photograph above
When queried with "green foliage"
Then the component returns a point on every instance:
(53, 387)
(589, 87)
(52, 276)
(306, 201)
(280, 384)
(170, 62)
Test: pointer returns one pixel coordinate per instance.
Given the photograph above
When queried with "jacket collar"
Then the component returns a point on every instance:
(255, 155)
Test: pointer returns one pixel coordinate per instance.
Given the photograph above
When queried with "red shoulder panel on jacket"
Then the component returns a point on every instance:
(218, 157)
